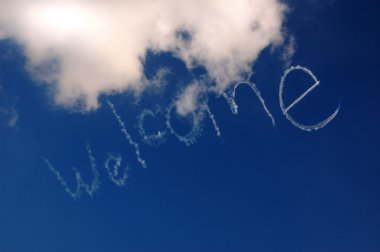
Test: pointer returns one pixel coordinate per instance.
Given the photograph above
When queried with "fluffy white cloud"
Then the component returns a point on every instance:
(84, 48)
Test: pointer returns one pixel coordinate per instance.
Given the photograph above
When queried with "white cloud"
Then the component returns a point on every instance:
(289, 50)
(8, 112)
(85, 48)
(9, 116)
(187, 102)
(12, 122)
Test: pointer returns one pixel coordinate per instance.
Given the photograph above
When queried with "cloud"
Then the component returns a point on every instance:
(9, 114)
(188, 101)
(13, 118)
(85, 48)
(289, 50)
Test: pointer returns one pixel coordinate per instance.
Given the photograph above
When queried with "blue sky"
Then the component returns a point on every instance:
(255, 188)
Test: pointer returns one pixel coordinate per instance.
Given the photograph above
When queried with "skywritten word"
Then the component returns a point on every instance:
(113, 162)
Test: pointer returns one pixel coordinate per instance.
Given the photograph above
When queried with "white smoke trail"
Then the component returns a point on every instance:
(81, 185)
(127, 135)
(302, 96)
(196, 131)
(154, 139)
(212, 117)
(316, 126)
(229, 95)
(113, 173)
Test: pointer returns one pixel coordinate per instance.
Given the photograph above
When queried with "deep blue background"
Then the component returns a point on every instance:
(256, 189)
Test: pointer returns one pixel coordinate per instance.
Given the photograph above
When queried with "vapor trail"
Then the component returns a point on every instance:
(212, 117)
(230, 97)
(127, 135)
(113, 173)
(302, 96)
(196, 131)
(90, 189)
(154, 139)
(316, 126)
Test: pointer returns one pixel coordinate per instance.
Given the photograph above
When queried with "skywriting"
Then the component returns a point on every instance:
(189, 126)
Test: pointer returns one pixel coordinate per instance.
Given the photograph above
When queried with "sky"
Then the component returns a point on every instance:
(169, 125)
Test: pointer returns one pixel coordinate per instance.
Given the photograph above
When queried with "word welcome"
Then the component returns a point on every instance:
(113, 162)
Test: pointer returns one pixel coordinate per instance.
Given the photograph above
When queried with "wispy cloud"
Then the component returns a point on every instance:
(9, 114)
(13, 118)
(289, 50)
(188, 100)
